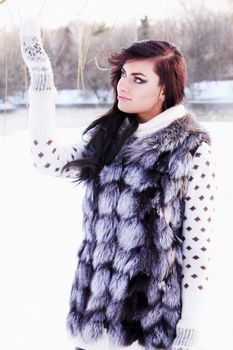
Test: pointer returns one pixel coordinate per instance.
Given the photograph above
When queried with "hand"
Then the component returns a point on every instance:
(32, 49)
(35, 57)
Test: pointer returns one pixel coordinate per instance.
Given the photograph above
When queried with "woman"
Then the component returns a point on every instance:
(147, 213)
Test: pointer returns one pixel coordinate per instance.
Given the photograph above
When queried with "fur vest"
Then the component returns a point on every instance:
(128, 278)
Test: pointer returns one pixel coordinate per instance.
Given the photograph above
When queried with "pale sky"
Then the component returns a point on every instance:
(52, 13)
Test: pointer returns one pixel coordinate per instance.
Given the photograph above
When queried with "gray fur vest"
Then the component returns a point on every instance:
(128, 278)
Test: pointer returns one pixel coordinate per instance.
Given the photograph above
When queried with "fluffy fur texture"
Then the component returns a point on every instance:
(128, 278)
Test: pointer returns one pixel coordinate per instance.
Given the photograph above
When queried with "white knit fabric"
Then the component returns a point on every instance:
(161, 121)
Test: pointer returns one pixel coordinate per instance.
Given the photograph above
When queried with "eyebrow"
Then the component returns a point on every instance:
(134, 73)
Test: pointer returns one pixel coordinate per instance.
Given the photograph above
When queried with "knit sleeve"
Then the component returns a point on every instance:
(197, 235)
(48, 156)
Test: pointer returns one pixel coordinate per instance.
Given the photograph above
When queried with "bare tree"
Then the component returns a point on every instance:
(61, 48)
(79, 51)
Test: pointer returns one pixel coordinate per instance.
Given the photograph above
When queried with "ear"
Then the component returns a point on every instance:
(162, 94)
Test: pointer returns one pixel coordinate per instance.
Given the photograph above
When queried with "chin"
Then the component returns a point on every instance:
(125, 109)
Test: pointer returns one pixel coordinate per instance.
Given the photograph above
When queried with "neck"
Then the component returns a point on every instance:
(145, 117)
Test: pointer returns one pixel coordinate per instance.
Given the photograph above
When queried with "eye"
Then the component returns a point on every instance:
(139, 80)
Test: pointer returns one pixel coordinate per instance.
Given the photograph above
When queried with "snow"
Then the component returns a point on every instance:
(213, 92)
(220, 91)
(6, 106)
(40, 221)
(79, 97)
(68, 97)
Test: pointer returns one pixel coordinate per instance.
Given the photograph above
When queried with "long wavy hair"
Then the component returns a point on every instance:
(110, 131)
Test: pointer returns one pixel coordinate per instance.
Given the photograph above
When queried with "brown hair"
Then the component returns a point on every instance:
(169, 65)
(106, 140)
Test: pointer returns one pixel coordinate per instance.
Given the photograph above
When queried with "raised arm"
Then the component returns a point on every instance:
(197, 232)
(48, 156)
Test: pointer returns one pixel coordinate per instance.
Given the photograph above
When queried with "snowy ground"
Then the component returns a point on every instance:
(40, 230)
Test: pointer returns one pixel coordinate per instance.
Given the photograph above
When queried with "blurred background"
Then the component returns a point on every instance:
(40, 217)
(79, 35)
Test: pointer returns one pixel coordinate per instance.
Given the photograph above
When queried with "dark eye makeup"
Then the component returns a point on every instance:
(136, 79)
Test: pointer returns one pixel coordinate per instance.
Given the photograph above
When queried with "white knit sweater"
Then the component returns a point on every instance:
(50, 157)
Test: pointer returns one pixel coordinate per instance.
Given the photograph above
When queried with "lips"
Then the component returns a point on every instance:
(120, 97)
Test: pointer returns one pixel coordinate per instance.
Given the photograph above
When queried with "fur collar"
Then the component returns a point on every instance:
(166, 139)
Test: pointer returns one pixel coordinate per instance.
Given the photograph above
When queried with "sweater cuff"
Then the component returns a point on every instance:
(182, 323)
(186, 339)
(41, 81)
(187, 336)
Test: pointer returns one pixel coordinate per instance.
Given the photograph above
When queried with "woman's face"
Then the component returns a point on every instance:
(138, 90)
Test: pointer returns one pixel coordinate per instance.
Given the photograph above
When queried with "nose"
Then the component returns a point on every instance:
(122, 85)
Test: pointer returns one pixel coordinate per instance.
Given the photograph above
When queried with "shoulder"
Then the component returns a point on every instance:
(197, 133)
(203, 152)
(203, 164)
